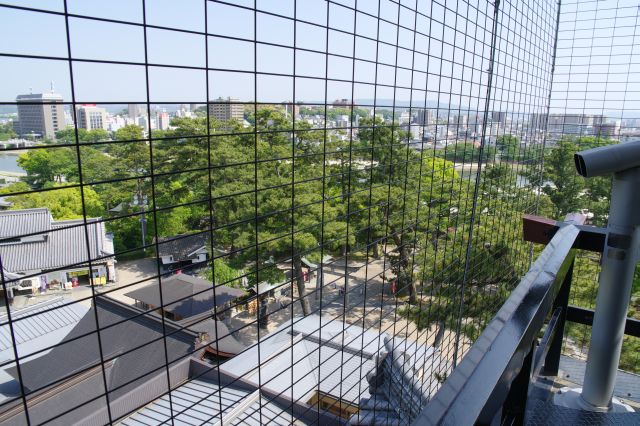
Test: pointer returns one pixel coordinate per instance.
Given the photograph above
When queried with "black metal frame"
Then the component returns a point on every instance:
(480, 36)
(495, 372)
(584, 316)
(493, 379)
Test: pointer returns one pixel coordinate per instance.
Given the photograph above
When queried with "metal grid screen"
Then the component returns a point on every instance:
(270, 212)
(594, 103)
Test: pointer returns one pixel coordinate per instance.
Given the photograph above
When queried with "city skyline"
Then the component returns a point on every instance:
(231, 54)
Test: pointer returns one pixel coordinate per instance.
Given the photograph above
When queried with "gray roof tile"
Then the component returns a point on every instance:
(119, 340)
(185, 295)
(37, 327)
(627, 385)
(181, 246)
(15, 223)
(319, 360)
(64, 245)
(400, 384)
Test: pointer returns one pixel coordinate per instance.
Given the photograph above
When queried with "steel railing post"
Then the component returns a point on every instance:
(616, 278)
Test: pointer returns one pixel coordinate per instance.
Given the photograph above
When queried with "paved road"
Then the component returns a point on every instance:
(376, 309)
(132, 274)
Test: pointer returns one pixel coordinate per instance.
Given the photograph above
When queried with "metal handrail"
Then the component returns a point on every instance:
(483, 385)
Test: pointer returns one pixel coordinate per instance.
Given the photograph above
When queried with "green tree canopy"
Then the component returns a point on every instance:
(63, 203)
(509, 147)
(568, 191)
(47, 165)
(68, 135)
(6, 131)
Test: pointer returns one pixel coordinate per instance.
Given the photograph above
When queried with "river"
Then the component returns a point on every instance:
(9, 164)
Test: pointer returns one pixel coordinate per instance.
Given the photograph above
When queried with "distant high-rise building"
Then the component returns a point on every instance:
(163, 120)
(115, 122)
(184, 110)
(424, 117)
(40, 114)
(537, 121)
(342, 121)
(574, 124)
(498, 116)
(91, 117)
(143, 121)
(475, 119)
(462, 122)
(137, 110)
(607, 130)
(226, 109)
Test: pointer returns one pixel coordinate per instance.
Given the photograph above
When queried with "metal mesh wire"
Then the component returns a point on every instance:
(594, 102)
(357, 170)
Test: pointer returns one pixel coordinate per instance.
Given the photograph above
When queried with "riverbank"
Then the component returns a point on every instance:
(9, 163)
(12, 174)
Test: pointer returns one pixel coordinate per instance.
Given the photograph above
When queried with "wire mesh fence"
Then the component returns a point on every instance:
(594, 103)
(271, 212)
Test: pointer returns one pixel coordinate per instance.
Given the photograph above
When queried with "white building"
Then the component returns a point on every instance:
(91, 117)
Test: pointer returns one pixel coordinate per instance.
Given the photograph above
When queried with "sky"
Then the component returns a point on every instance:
(520, 82)
(598, 59)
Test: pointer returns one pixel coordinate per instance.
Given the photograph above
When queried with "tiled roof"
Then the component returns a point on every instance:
(200, 402)
(64, 245)
(181, 246)
(185, 295)
(14, 223)
(627, 385)
(133, 365)
(223, 341)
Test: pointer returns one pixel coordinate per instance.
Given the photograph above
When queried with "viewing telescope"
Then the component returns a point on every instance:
(618, 264)
(608, 159)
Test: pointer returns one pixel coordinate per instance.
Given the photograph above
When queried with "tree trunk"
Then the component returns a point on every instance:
(232, 249)
(376, 250)
(434, 242)
(439, 334)
(304, 301)
(413, 293)
(263, 316)
(405, 280)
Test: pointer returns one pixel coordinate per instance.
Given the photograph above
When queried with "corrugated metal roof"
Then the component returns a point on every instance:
(14, 223)
(199, 402)
(39, 326)
(342, 374)
(322, 361)
(65, 244)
